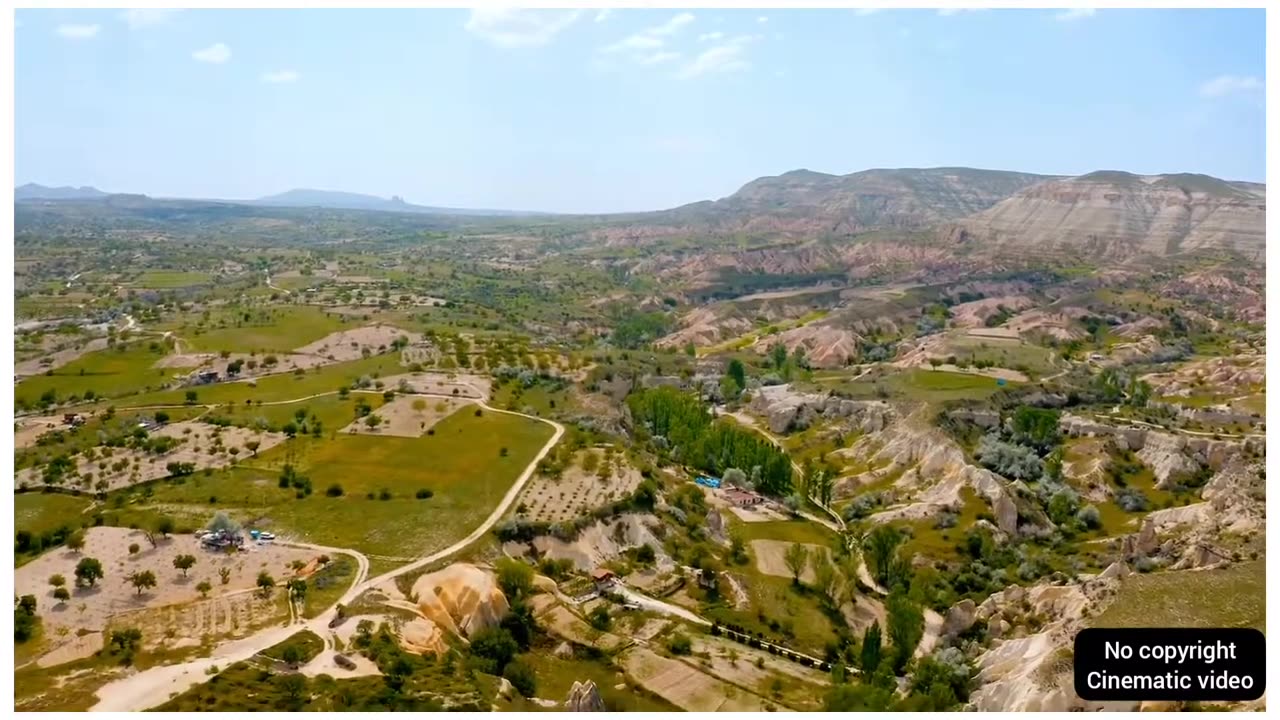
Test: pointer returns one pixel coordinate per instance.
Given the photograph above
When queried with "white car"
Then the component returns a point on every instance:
(266, 536)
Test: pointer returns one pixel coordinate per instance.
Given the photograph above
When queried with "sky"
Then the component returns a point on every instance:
(621, 110)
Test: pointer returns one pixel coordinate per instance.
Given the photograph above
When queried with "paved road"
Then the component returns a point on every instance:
(154, 686)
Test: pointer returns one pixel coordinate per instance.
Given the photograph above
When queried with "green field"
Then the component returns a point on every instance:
(460, 464)
(796, 531)
(169, 279)
(333, 412)
(110, 373)
(925, 385)
(281, 329)
(286, 386)
(1227, 597)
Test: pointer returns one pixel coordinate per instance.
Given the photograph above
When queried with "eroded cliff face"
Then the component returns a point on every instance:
(457, 601)
(1120, 215)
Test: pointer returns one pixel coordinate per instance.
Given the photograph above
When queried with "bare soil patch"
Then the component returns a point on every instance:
(55, 360)
(408, 416)
(769, 558)
(347, 345)
(29, 429)
(436, 383)
(203, 445)
(578, 491)
(684, 686)
(173, 608)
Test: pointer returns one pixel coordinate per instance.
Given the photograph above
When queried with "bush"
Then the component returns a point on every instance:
(1089, 517)
(335, 490)
(384, 494)
(423, 494)
(679, 644)
(521, 677)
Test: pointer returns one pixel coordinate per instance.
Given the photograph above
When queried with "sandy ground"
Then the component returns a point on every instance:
(769, 558)
(401, 419)
(577, 491)
(324, 664)
(173, 603)
(863, 612)
(55, 360)
(562, 622)
(995, 333)
(744, 673)
(974, 314)
(285, 362)
(756, 513)
(438, 383)
(346, 345)
(684, 686)
(29, 429)
(194, 449)
(932, 628)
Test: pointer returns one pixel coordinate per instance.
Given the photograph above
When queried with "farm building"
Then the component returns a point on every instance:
(742, 498)
(603, 577)
(73, 419)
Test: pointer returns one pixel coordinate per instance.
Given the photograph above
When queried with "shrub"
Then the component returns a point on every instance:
(335, 490)
(423, 494)
(679, 644)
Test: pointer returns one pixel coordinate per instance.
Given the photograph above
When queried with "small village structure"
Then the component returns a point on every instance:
(743, 498)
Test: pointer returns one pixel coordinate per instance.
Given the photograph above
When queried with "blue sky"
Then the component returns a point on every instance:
(593, 111)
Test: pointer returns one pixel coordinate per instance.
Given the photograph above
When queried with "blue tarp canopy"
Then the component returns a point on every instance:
(708, 481)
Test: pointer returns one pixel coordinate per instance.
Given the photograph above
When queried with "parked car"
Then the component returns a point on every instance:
(344, 662)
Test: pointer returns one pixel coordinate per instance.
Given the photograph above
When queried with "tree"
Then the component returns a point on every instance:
(645, 554)
(134, 548)
(203, 588)
(265, 583)
(292, 655)
(25, 622)
(142, 580)
(495, 647)
(737, 372)
(887, 567)
(906, 627)
(826, 580)
(253, 446)
(61, 594)
(778, 354)
(599, 618)
(737, 547)
(88, 572)
(734, 476)
(869, 658)
(521, 677)
(162, 417)
(225, 575)
(796, 558)
(294, 686)
(57, 581)
(514, 577)
(297, 589)
(75, 541)
(192, 397)
(184, 563)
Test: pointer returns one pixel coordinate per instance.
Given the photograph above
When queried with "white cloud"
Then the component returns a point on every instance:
(728, 56)
(673, 25)
(956, 11)
(762, 19)
(659, 57)
(78, 32)
(716, 35)
(634, 42)
(514, 28)
(1074, 14)
(645, 47)
(217, 53)
(866, 11)
(280, 76)
(602, 14)
(1229, 85)
(140, 18)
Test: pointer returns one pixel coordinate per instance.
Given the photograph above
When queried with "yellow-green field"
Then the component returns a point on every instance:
(1227, 597)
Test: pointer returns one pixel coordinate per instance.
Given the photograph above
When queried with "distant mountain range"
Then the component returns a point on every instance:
(32, 191)
(301, 198)
(1106, 213)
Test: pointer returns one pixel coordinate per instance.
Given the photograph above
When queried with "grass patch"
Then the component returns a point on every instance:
(1226, 597)
(277, 329)
(308, 642)
(122, 370)
(327, 585)
(286, 386)
(461, 464)
(168, 279)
